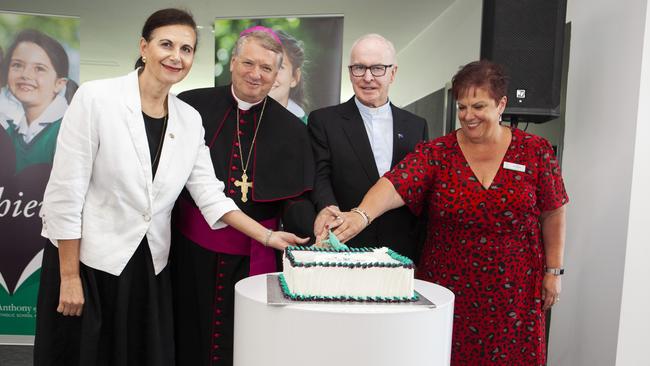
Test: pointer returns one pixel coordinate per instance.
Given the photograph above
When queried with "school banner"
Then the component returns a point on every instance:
(311, 74)
(39, 73)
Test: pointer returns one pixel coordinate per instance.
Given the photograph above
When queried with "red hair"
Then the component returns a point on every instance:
(482, 74)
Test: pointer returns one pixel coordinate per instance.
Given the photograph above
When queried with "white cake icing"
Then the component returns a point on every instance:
(377, 255)
(338, 274)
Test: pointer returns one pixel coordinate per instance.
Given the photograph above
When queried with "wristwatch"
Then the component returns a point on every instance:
(555, 271)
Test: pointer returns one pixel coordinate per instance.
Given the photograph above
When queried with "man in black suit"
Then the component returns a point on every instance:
(356, 142)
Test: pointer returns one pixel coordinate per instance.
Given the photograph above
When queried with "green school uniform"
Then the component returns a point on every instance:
(39, 150)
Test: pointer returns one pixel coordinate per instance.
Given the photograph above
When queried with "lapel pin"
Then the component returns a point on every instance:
(400, 136)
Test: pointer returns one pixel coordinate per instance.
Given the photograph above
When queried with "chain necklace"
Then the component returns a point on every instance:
(160, 143)
(244, 184)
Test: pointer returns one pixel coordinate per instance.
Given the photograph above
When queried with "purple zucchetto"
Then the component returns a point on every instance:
(260, 28)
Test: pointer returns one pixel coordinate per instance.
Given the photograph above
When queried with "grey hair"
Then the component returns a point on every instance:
(378, 37)
(264, 39)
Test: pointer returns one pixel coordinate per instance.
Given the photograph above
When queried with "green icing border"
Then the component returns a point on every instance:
(403, 261)
(398, 257)
(300, 297)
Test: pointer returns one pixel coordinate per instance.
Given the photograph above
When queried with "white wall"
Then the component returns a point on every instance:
(428, 62)
(603, 172)
(633, 340)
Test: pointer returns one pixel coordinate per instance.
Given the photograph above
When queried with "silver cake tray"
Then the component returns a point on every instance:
(274, 296)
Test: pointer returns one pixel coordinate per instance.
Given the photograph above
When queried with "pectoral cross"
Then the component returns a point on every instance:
(244, 184)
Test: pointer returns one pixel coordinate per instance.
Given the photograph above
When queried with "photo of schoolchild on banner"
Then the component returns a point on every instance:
(310, 75)
(39, 74)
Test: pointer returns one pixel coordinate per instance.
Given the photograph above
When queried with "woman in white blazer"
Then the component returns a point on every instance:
(125, 151)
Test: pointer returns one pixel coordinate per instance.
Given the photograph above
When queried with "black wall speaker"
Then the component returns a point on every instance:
(527, 37)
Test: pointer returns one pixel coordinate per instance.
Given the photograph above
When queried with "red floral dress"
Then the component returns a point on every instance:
(486, 245)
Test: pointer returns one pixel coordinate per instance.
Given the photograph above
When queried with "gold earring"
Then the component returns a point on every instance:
(144, 59)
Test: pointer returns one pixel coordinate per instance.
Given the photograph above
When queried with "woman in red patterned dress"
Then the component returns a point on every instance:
(495, 199)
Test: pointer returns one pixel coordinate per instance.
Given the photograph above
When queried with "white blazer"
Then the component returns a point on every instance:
(101, 189)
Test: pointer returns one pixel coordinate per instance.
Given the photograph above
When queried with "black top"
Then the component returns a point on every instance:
(155, 128)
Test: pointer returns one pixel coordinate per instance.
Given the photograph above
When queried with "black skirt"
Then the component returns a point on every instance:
(126, 319)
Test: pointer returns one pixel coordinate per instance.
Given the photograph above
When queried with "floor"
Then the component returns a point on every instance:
(16, 355)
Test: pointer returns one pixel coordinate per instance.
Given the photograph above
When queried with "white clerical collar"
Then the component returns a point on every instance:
(243, 105)
(383, 110)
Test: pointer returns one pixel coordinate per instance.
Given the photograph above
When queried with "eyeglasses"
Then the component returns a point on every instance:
(375, 70)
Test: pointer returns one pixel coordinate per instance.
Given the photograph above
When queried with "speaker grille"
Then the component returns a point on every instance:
(526, 37)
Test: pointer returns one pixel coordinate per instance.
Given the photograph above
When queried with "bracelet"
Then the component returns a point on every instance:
(363, 214)
(555, 271)
(268, 237)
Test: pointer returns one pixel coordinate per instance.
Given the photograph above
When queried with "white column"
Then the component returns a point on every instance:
(600, 320)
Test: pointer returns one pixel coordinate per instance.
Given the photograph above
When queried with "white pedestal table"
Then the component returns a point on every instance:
(326, 334)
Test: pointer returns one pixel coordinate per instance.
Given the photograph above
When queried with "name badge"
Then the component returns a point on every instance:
(513, 166)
